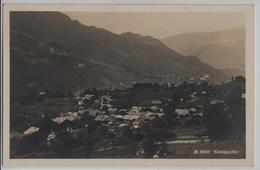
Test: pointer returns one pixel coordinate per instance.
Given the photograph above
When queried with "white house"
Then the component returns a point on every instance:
(156, 102)
(193, 109)
(31, 130)
(203, 92)
(182, 112)
(131, 117)
(216, 101)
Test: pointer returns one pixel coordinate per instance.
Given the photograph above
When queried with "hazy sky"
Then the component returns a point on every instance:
(159, 24)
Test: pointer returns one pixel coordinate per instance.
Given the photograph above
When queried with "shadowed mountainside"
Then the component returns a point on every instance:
(51, 51)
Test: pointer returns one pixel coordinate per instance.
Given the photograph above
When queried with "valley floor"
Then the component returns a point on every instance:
(187, 121)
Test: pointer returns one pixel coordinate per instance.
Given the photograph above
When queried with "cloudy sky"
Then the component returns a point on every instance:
(158, 24)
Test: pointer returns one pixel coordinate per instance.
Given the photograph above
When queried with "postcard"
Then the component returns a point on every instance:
(128, 85)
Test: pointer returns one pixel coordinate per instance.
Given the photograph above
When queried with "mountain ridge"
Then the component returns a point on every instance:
(51, 51)
(213, 48)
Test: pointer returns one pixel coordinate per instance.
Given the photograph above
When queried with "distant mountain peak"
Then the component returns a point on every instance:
(220, 49)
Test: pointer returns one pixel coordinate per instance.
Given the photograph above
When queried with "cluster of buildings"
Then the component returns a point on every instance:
(102, 109)
(105, 110)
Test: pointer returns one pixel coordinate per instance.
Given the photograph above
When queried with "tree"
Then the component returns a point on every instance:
(28, 143)
(102, 130)
(217, 122)
(233, 97)
(64, 144)
(148, 148)
(240, 79)
(89, 120)
(45, 125)
(127, 132)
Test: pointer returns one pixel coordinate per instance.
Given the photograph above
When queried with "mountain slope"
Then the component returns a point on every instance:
(51, 51)
(221, 49)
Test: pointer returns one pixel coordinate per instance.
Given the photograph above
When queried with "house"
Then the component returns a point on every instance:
(59, 120)
(77, 98)
(56, 51)
(136, 109)
(106, 98)
(169, 100)
(194, 93)
(88, 96)
(203, 79)
(156, 156)
(192, 96)
(130, 112)
(203, 92)
(136, 124)
(50, 138)
(101, 112)
(160, 114)
(92, 112)
(80, 102)
(156, 102)
(78, 93)
(101, 118)
(216, 101)
(119, 116)
(177, 84)
(206, 76)
(82, 107)
(42, 93)
(113, 115)
(81, 112)
(122, 110)
(81, 65)
(198, 114)
(16, 135)
(131, 117)
(97, 101)
(31, 131)
(182, 112)
(65, 114)
(112, 110)
(155, 108)
(123, 125)
(193, 109)
(149, 115)
(70, 116)
(105, 105)
(52, 50)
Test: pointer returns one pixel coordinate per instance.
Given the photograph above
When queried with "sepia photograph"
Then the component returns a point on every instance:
(114, 83)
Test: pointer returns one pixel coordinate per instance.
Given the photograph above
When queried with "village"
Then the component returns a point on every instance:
(145, 121)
